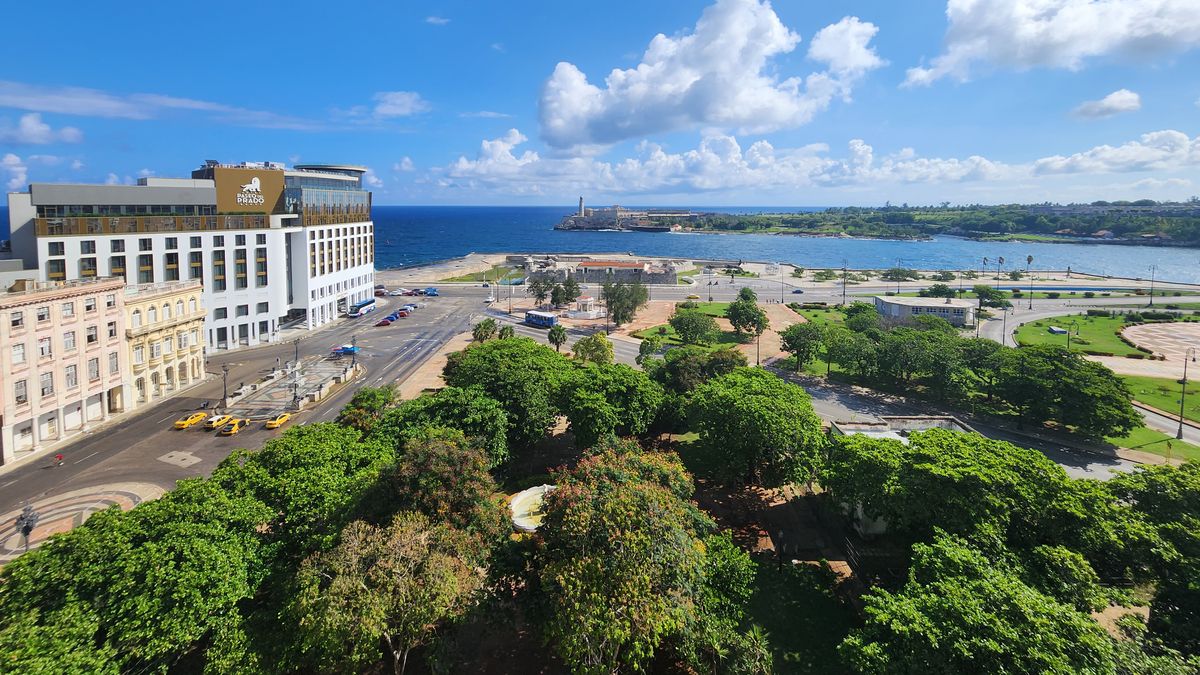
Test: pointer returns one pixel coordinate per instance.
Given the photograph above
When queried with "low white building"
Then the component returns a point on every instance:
(957, 312)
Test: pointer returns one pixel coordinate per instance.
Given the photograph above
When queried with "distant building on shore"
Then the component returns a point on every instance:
(957, 312)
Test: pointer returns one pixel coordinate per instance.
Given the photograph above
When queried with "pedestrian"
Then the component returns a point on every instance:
(58, 459)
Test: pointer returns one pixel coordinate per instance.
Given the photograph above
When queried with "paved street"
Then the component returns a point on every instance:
(144, 448)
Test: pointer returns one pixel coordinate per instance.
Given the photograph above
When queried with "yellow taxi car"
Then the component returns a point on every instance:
(278, 420)
(234, 426)
(190, 420)
(219, 421)
(693, 296)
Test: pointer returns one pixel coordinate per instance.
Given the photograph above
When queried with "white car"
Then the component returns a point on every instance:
(489, 300)
(398, 291)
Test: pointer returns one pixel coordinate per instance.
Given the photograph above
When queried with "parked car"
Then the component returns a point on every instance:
(379, 292)
(398, 291)
(486, 285)
(190, 420)
(693, 296)
(219, 421)
(411, 293)
(234, 427)
(278, 420)
(345, 350)
(383, 322)
(798, 291)
(378, 286)
(402, 314)
(409, 306)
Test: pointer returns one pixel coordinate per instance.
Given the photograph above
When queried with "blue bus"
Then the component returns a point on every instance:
(541, 319)
(359, 308)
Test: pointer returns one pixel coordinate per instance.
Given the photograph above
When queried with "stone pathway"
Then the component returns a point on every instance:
(1169, 339)
(69, 510)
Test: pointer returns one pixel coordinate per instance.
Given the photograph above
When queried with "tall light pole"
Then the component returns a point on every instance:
(1183, 392)
(1028, 262)
(898, 276)
(224, 385)
(1074, 325)
(1004, 328)
(1153, 270)
(844, 283)
(354, 351)
(296, 345)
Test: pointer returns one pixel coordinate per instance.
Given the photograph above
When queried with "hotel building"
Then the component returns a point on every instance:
(272, 247)
(62, 361)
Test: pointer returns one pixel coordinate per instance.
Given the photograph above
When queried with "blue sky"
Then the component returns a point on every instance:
(734, 101)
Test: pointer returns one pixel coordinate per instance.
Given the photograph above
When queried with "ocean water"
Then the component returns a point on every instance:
(414, 235)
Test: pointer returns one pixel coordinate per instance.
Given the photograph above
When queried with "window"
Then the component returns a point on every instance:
(196, 265)
(191, 304)
(152, 315)
(139, 354)
(44, 348)
(71, 376)
(110, 300)
(195, 242)
(116, 266)
(87, 267)
(155, 350)
(182, 338)
(112, 329)
(68, 310)
(47, 384)
(221, 313)
(168, 345)
(43, 314)
(56, 248)
(69, 341)
(17, 320)
(172, 243)
(239, 240)
(21, 392)
(93, 335)
(18, 353)
(87, 247)
(178, 308)
(116, 245)
(145, 244)
(166, 311)
(243, 310)
(93, 369)
(145, 269)
(260, 239)
(89, 304)
(114, 363)
(263, 308)
(56, 270)
(219, 241)
(171, 267)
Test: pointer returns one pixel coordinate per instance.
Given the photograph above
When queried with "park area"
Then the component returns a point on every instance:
(1089, 334)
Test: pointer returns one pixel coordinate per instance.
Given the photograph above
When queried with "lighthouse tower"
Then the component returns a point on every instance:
(581, 207)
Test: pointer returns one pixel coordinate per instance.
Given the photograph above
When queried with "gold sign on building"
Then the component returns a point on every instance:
(248, 190)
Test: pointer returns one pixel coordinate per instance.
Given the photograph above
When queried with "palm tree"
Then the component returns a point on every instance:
(557, 336)
(507, 332)
(484, 330)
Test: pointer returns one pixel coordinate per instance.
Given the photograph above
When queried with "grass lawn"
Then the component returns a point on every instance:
(495, 274)
(727, 338)
(1155, 442)
(1037, 295)
(824, 317)
(1163, 393)
(803, 619)
(1095, 334)
(714, 309)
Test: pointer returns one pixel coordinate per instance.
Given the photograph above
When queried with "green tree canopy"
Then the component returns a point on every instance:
(469, 410)
(609, 399)
(694, 327)
(623, 300)
(519, 373)
(762, 427)
(366, 406)
(484, 330)
(803, 340)
(557, 336)
(595, 348)
(747, 317)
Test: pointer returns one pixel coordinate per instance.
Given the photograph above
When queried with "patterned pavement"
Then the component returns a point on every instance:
(63, 512)
(1169, 339)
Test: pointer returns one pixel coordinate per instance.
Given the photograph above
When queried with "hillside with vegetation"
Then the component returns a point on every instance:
(1143, 221)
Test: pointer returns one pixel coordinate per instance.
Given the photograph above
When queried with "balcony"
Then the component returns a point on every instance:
(100, 225)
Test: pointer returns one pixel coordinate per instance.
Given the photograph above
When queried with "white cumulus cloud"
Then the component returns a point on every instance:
(371, 179)
(405, 164)
(399, 104)
(15, 169)
(1023, 34)
(437, 20)
(31, 130)
(1120, 101)
(718, 75)
(1157, 150)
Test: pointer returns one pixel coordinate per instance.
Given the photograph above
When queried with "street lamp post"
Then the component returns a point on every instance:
(1072, 326)
(224, 385)
(1153, 270)
(898, 263)
(843, 283)
(296, 345)
(354, 351)
(1189, 354)
(1028, 262)
(1004, 328)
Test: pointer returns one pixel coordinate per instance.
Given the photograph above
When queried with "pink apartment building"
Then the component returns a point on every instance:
(62, 361)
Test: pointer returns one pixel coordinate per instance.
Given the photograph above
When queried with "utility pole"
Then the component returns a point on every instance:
(1189, 354)
(1072, 326)
(897, 276)
(224, 385)
(1153, 270)
(296, 346)
(843, 283)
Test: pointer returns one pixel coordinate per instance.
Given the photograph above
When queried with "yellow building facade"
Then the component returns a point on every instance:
(164, 324)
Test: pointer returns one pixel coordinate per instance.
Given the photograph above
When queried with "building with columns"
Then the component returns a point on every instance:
(164, 330)
(62, 361)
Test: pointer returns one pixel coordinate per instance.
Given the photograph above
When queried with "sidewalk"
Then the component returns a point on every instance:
(429, 375)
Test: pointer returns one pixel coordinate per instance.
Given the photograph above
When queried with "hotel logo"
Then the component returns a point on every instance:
(251, 193)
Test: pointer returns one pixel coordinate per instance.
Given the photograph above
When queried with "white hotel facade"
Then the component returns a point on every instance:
(273, 247)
